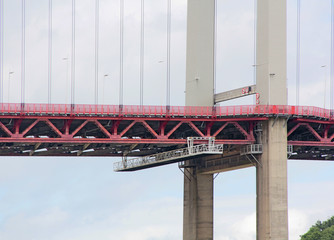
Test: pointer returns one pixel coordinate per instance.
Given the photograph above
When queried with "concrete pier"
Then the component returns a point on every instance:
(271, 183)
(198, 206)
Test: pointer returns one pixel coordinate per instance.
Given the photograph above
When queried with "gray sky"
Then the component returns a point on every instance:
(82, 198)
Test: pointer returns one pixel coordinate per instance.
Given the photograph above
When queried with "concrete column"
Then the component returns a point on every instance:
(272, 203)
(272, 196)
(198, 189)
(198, 206)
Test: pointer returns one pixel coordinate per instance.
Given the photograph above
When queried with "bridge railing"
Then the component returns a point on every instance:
(163, 111)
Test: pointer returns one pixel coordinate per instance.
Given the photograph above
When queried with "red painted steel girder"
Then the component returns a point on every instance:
(30, 127)
(72, 129)
(305, 132)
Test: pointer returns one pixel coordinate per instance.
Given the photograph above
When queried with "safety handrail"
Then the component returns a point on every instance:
(251, 149)
(165, 156)
(164, 111)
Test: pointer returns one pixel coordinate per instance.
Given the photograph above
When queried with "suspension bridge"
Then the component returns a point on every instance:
(203, 137)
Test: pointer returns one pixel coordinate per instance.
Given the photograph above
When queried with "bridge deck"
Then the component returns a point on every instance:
(110, 130)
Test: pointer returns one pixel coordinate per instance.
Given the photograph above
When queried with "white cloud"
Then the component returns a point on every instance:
(43, 225)
(151, 220)
(298, 223)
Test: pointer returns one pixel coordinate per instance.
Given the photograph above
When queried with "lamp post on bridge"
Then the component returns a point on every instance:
(160, 62)
(8, 92)
(104, 78)
(325, 84)
(66, 84)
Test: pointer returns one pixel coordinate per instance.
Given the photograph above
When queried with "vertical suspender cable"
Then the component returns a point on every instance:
(332, 55)
(50, 53)
(121, 53)
(215, 51)
(1, 48)
(73, 56)
(142, 46)
(96, 51)
(23, 52)
(169, 6)
(298, 54)
(254, 39)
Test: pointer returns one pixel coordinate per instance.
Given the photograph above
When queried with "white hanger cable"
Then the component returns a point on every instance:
(169, 6)
(121, 52)
(1, 49)
(142, 51)
(50, 54)
(298, 54)
(23, 52)
(332, 56)
(97, 18)
(73, 56)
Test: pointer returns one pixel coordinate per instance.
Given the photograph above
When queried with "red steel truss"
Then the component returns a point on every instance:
(110, 130)
(311, 132)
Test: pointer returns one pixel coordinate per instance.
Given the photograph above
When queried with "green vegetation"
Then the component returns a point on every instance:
(320, 231)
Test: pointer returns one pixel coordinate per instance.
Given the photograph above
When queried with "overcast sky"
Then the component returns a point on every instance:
(82, 198)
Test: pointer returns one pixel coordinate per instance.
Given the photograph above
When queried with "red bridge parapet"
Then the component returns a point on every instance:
(162, 111)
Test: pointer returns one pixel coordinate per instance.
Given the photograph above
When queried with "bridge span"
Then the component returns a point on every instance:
(131, 130)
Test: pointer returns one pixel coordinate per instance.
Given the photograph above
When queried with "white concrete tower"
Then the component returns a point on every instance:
(200, 53)
(272, 212)
(272, 202)
(198, 188)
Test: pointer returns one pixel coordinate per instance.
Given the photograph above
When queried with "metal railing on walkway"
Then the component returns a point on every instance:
(165, 111)
(257, 149)
(251, 149)
(169, 156)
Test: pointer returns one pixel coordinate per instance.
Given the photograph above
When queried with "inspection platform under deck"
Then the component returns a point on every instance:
(178, 155)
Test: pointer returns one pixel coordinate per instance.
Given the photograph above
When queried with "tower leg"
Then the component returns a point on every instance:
(200, 53)
(271, 181)
(198, 188)
(198, 206)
